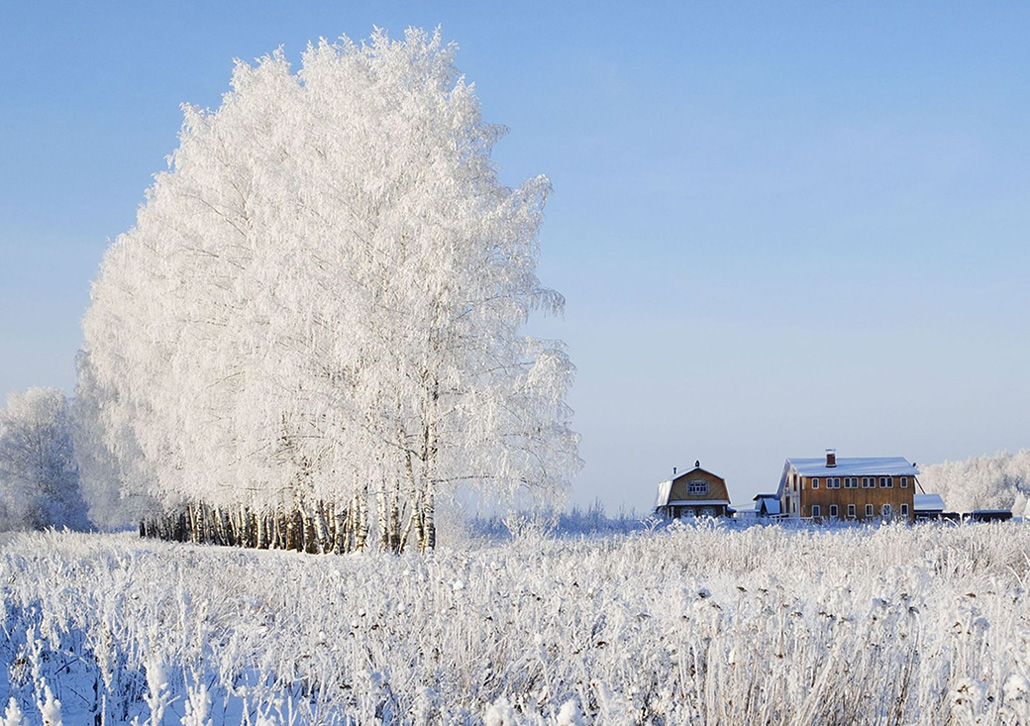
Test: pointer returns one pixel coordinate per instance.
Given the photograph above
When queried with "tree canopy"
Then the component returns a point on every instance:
(321, 303)
(39, 481)
(1001, 481)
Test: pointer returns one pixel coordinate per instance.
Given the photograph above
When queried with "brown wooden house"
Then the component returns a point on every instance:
(696, 493)
(851, 488)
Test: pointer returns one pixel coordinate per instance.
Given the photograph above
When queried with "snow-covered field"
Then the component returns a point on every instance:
(704, 624)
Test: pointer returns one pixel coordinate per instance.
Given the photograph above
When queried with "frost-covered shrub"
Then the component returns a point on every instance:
(39, 481)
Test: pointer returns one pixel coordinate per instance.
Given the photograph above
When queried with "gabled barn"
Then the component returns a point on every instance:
(695, 493)
(853, 488)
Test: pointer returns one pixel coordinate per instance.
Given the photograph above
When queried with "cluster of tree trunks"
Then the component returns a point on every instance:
(318, 528)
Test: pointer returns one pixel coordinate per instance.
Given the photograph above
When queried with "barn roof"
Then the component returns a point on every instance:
(849, 466)
(855, 466)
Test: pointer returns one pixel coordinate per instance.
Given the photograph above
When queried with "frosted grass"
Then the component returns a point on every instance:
(704, 624)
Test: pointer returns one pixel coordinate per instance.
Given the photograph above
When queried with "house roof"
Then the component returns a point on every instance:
(698, 502)
(855, 465)
(927, 503)
(849, 466)
(695, 470)
(665, 487)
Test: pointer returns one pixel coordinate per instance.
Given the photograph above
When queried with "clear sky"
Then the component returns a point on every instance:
(780, 227)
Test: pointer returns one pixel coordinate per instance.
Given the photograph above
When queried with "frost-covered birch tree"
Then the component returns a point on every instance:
(39, 481)
(318, 314)
(1001, 481)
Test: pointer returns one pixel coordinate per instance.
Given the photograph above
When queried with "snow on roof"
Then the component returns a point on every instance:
(698, 502)
(927, 503)
(772, 505)
(665, 487)
(664, 490)
(848, 466)
(855, 466)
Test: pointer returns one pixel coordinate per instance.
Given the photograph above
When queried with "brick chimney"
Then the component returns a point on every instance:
(831, 458)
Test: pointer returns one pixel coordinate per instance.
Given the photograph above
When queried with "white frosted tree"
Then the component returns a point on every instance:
(1001, 481)
(39, 481)
(320, 306)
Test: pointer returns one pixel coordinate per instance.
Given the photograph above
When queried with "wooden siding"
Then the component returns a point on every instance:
(823, 497)
(681, 489)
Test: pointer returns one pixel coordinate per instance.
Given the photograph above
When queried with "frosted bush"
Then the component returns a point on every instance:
(13, 715)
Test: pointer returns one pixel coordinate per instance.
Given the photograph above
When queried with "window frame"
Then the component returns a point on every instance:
(834, 511)
(852, 511)
(904, 511)
(700, 484)
(815, 482)
(885, 510)
(869, 511)
(815, 511)
(886, 482)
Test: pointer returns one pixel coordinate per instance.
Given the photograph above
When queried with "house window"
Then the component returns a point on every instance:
(851, 511)
(851, 482)
(697, 487)
(886, 482)
(833, 511)
(815, 483)
(886, 510)
(815, 510)
(904, 482)
(868, 482)
(833, 482)
(869, 510)
(904, 511)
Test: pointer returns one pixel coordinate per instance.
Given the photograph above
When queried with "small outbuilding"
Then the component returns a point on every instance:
(696, 493)
(767, 505)
(927, 506)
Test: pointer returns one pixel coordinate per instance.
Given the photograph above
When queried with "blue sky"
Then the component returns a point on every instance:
(780, 227)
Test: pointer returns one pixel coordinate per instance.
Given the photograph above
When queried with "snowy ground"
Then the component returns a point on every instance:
(704, 624)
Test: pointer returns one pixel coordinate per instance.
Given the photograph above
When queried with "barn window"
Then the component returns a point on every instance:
(904, 511)
(868, 482)
(833, 511)
(833, 482)
(851, 511)
(815, 483)
(904, 482)
(696, 487)
(869, 510)
(886, 482)
(815, 510)
(886, 510)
